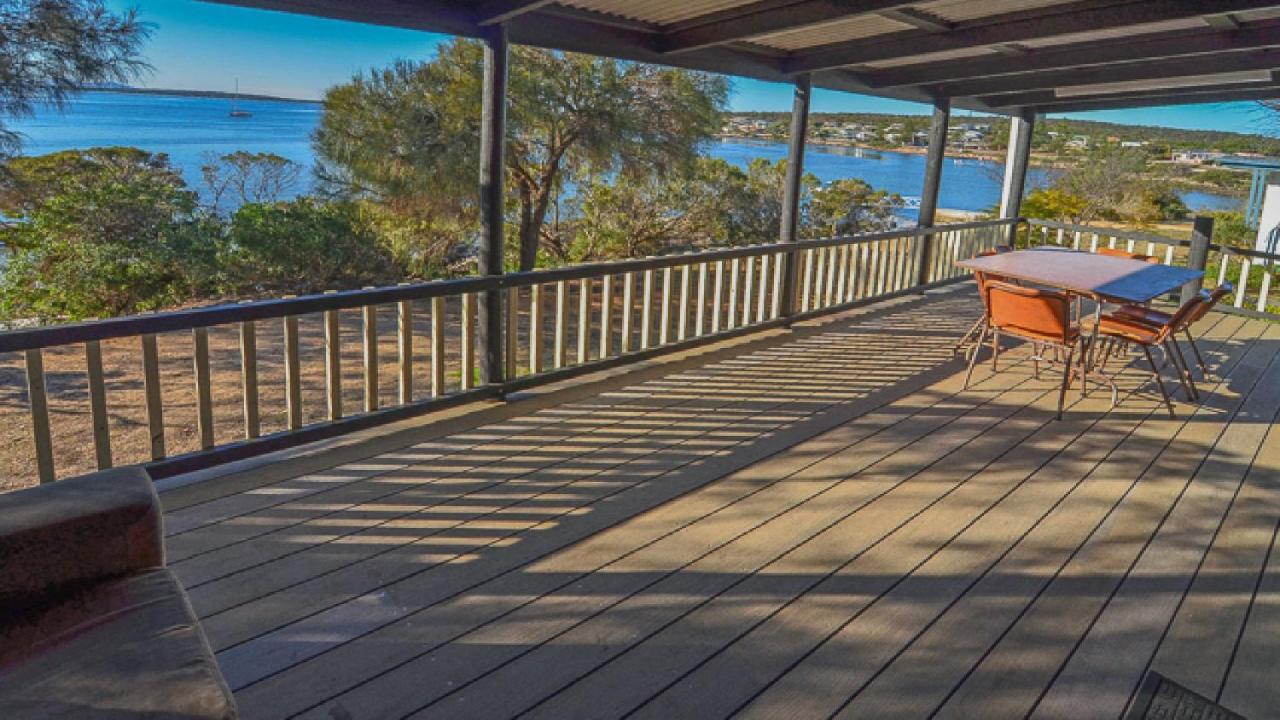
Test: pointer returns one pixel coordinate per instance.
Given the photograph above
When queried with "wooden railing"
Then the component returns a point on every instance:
(557, 323)
(1250, 271)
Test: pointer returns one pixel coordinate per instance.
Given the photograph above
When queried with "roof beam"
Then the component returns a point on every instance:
(427, 15)
(918, 19)
(1181, 98)
(499, 11)
(1083, 16)
(1154, 71)
(1047, 98)
(764, 17)
(1150, 47)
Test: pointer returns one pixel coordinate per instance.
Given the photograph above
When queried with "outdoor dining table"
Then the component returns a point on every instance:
(1101, 278)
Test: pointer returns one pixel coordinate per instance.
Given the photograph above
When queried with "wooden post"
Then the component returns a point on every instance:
(204, 393)
(1201, 237)
(98, 404)
(37, 396)
(493, 120)
(370, 358)
(154, 401)
(791, 193)
(333, 364)
(1015, 168)
(249, 378)
(932, 184)
(292, 374)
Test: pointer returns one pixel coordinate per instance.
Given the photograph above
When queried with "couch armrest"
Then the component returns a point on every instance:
(81, 529)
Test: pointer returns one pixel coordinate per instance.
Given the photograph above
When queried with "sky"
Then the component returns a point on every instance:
(206, 46)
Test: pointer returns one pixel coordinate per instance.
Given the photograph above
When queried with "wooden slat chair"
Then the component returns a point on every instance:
(1116, 252)
(1042, 317)
(981, 278)
(1146, 335)
(1158, 318)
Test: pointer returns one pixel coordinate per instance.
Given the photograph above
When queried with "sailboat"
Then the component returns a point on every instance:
(235, 112)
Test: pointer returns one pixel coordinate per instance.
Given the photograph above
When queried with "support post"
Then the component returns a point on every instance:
(791, 193)
(1015, 168)
(932, 184)
(493, 139)
(1198, 257)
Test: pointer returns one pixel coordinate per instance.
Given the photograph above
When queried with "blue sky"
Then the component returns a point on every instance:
(206, 46)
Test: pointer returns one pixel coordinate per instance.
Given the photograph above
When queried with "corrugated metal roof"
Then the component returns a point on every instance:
(930, 57)
(962, 10)
(657, 12)
(855, 28)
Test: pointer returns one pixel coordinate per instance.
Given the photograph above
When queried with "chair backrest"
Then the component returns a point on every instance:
(1115, 252)
(1187, 313)
(982, 278)
(1208, 299)
(1029, 312)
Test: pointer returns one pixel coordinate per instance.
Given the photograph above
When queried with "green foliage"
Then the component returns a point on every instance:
(97, 236)
(244, 177)
(1229, 228)
(51, 48)
(1110, 183)
(850, 205)
(303, 246)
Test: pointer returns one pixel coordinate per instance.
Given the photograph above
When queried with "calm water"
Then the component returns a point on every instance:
(188, 128)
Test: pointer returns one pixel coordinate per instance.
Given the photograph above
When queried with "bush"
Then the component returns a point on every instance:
(302, 246)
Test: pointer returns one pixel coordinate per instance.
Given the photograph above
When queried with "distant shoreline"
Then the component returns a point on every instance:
(215, 94)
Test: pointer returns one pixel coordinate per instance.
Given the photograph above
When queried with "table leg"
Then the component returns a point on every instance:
(1090, 350)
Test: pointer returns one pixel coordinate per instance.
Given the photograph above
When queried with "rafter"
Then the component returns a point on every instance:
(499, 11)
(1152, 47)
(1156, 100)
(1154, 70)
(1085, 16)
(1048, 98)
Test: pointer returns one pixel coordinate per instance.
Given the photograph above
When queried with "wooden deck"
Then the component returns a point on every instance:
(809, 524)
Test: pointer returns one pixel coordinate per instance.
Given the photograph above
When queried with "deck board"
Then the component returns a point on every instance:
(807, 523)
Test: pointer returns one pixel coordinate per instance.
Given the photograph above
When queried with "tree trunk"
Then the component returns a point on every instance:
(528, 231)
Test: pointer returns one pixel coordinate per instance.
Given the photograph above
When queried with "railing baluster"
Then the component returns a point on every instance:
(1265, 289)
(404, 324)
(512, 345)
(682, 322)
(828, 288)
(606, 316)
(646, 310)
(628, 310)
(779, 264)
(700, 315)
(249, 378)
(1245, 268)
(204, 392)
(664, 314)
(806, 288)
(584, 319)
(370, 313)
(748, 287)
(98, 404)
(468, 363)
(1075, 244)
(38, 398)
(842, 272)
(437, 346)
(735, 269)
(1222, 267)
(1093, 245)
(1168, 255)
(763, 296)
(333, 364)
(151, 387)
(819, 276)
(292, 373)
(1060, 237)
(1129, 246)
(717, 296)
(559, 352)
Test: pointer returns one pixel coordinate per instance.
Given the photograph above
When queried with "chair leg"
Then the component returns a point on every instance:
(1204, 371)
(1186, 369)
(973, 359)
(1155, 374)
(1172, 359)
(1035, 360)
(1108, 348)
(1066, 380)
(995, 349)
(968, 336)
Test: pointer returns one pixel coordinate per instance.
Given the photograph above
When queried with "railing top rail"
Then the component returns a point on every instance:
(209, 316)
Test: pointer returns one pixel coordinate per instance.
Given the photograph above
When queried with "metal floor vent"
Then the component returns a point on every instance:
(1163, 699)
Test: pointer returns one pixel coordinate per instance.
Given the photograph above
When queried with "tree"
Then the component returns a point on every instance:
(248, 177)
(850, 205)
(410, 134)
(51, 48)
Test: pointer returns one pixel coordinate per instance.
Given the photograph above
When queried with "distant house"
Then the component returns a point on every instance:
(920, 139)
(1132, 144)
(1078, 141)
(1196, 157)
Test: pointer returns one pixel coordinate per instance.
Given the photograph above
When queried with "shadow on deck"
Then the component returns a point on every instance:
(804, 524)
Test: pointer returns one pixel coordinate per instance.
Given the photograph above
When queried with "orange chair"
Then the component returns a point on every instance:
(1157, 318)
(1145, 335)
(1042, 317)
(981, 278)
